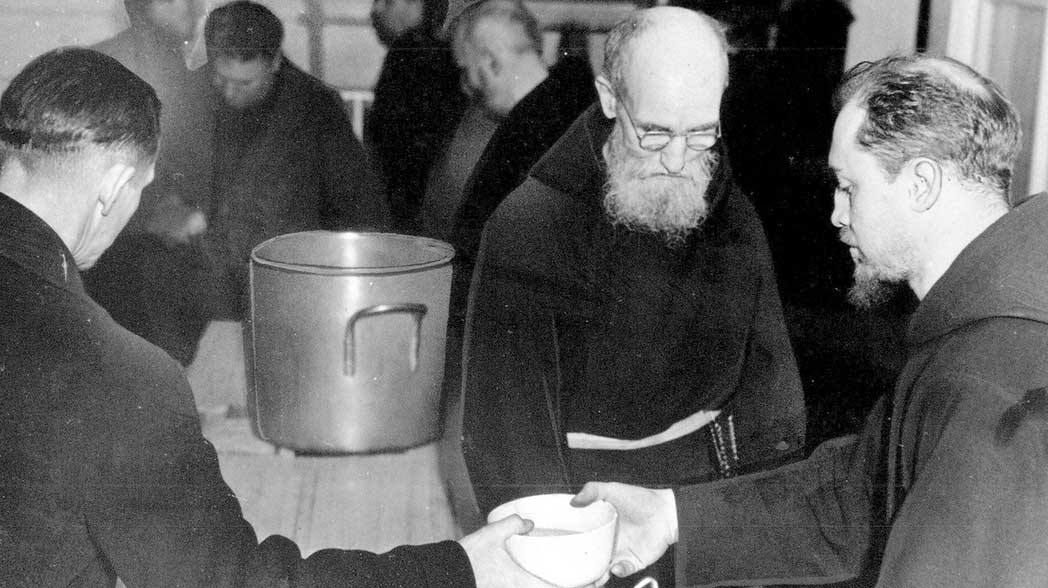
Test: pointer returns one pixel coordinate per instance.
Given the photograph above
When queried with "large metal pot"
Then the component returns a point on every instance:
(347, 340)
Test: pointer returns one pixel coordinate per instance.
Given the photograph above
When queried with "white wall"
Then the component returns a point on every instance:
(31, 27)
(881, 27)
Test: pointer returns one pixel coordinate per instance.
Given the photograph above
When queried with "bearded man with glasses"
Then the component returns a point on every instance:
(624, 319)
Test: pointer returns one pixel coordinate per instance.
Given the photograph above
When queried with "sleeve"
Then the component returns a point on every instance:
(352, 193)
(163, 516)
(512, 440)
(769, 406)
(809, 522)
(977, 511)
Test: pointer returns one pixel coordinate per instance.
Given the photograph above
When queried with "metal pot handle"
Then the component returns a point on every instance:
(416, 310)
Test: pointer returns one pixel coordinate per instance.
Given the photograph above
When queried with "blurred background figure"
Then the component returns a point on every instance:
(286, 159)
(156, 47)
(144, 280)
(417, 101)
(498, 46)
(452, 169)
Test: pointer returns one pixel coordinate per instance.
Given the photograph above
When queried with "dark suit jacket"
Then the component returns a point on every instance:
(105, 472)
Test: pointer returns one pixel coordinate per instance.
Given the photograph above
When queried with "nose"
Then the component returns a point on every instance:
(674, 155)
(839, 216)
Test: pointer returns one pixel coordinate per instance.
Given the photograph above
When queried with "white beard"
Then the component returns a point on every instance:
(642, 197)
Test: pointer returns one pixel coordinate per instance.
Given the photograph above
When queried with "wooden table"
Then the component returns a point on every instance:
(373, 502)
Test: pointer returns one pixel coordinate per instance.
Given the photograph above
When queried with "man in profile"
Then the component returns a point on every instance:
(624, 321)
(947, 485)
(106, 476)
(286, 158)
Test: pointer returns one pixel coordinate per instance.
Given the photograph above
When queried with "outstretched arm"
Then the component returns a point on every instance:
(647, 523)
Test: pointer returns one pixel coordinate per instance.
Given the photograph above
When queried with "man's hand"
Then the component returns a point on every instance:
(647, 523)
(492, 565)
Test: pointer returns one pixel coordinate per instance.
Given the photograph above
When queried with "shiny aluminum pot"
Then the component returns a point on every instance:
(346, 340)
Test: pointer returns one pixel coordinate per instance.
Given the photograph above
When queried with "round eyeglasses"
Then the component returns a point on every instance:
(658, 140)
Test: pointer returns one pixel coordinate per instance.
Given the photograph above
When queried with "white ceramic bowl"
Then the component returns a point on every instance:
(570, 546)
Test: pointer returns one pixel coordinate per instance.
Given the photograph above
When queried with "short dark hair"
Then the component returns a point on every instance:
(935, 107)
(243, 30)
(71, 99)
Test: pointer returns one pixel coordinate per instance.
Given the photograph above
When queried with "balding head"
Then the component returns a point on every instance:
(498, 26)
(498, 46)
(670, 67)
(666, 45)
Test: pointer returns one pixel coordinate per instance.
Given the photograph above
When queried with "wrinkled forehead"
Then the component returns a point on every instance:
(674, 92)
(675, 74)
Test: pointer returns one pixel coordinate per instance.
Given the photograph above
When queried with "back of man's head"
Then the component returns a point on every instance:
(243, 30)
(666, 44)
(935, 107)
(499, 27)
(73, 100)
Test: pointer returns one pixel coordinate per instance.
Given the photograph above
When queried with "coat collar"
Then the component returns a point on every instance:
(27, 241)
(1001, 273)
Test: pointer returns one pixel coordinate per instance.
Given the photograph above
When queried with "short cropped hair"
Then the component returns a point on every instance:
(935, 107)
(243, 30)
(71, 99)
(616, 56)
(527, 37)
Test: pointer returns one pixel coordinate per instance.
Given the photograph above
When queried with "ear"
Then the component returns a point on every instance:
(927, 176)
(113, 183)
(608, 100)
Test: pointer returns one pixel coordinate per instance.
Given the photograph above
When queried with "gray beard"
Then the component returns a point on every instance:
(878, 282)
(640, 198)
